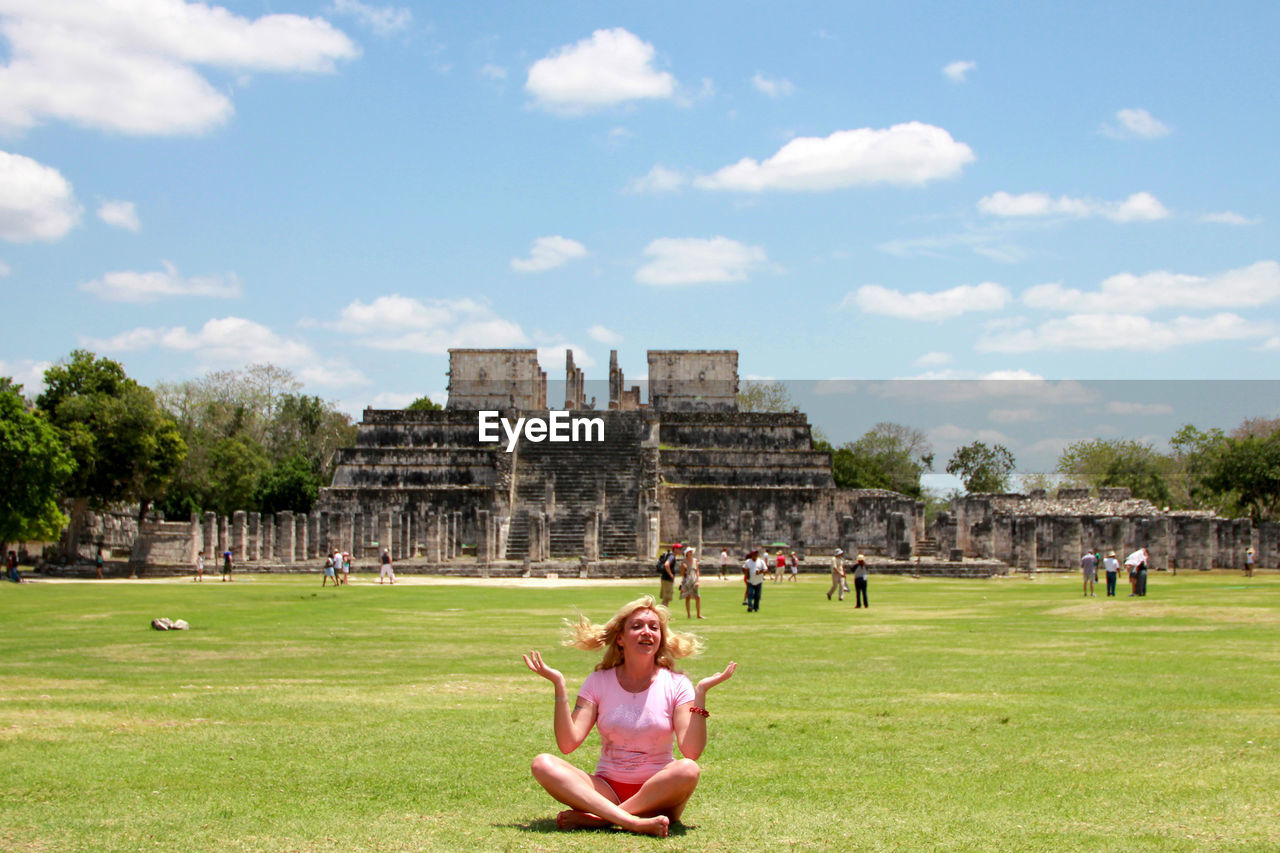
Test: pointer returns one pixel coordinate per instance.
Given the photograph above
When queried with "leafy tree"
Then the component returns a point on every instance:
(1193, 451)
(1106, 463)
(35, 465)
(424, 404)
(289, 485)
(764, 397)
(125, 446)
(888, 456)
(1244, 471)
(1033, 480)
(982, 469)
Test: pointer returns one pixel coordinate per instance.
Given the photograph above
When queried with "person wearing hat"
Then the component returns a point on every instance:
(754, 570)
(837, 574)
(1089, 570)
(1112, 567)
(667, 573)
(1248, 563)
(860, 581)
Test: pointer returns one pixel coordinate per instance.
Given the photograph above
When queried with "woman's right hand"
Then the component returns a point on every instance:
(534, 661)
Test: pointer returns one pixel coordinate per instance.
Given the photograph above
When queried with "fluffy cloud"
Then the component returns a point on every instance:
(659, 180)
(1121, 331)
(130, 65)
(547, 253)
(27, 373)
(221, 341)
(906, 154)
(604, 335)
(553, 354)
(1135, 124)
(610, 67)
(383, 20)
(956, 71)
(934, 359)
(121, 214)
(1126, 293)
(1228, 217)
(923, 305)
(1139, 207)
(131, 286)
(772, 88)
(36, 202)
(432, 326)
(689, 260)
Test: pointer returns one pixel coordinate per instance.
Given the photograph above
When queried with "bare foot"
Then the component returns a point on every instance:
(652, 826)
(574, 819)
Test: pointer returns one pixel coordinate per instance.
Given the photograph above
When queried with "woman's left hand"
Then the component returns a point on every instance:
(712, 680)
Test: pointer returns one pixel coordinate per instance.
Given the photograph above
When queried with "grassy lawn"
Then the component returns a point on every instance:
(953, 715)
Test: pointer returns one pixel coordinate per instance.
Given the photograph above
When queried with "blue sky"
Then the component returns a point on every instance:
(837, 190)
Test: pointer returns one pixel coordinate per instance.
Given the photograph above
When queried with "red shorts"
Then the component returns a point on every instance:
(623, 790)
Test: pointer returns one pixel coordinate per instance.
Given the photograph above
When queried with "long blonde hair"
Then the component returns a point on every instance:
(587, 636)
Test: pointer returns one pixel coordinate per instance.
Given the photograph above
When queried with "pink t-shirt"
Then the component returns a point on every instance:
(637, 730)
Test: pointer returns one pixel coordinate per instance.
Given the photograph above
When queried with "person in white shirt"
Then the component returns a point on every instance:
(754, 569)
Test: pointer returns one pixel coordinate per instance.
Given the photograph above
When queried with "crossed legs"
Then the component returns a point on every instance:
(592, 803)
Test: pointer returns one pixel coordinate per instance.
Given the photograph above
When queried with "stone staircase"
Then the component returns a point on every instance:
(926, 548)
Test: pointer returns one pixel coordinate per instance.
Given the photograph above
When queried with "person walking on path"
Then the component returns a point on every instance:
(1248, 563)
(1112, 567)
(689, 578)
(330, 573)
(388, 571)
(97, 561)
(724, 561)
(756, 568)
(860, 581)
(837, 574)
(1088, 568)
(641, 706)
(346, 567)
(226, 565)
(667, 573)
(199, 567)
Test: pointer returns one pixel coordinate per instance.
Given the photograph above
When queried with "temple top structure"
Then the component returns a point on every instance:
(679, 381)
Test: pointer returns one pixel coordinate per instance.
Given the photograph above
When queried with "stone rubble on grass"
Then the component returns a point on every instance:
(163, 624)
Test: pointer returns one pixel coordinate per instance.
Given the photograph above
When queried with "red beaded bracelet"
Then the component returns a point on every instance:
(701, 712)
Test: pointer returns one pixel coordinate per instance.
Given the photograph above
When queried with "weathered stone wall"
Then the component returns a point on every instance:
(693, 380)
(496, 379)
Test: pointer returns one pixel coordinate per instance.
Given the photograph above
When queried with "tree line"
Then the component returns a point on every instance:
(97, 439)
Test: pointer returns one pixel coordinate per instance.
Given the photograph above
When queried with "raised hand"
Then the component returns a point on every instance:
(534, 661)
(712, 680)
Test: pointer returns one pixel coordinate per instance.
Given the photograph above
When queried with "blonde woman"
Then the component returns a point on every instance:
(640, 706)
(689, 578)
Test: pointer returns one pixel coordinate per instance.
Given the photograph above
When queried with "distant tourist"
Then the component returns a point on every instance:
(1248, 563)
(642, 708)
(724, 561)
(756, 568)
(781, 567)
(388, 571)
(226, 565)
(97, 562)
(199, 566)
(837, 574)
(330, 571)
(689, 577)
(11, 565)
(1137, 563)
(1112, 567)
(346, 566)
(860, 581)
(794, 564)
(1089, 570)
(667, 574)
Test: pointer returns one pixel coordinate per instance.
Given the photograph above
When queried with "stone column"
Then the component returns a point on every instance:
(694, 523)
(403, 541)
(1024, 535)
(483, 540)
(1267, 545)
(267, 538)
(196, 542)
(288, 535)
(210, 535)
(846, 535)
(898, 536)
(253, 548)
(456, 524)
(224, 534)
(537, 527)
(309, 535)
(1244, 540)
(652, 544)
(591, 536)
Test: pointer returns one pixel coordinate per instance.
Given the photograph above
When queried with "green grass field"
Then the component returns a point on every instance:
(953, 715)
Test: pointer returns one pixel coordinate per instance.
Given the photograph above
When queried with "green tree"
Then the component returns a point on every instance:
(125, 446)
(35, 466)
(1107, 463)
(888, 456)
(982, 469)
(1244, 472)
(764, 397)
(289, 485)
(424, 404)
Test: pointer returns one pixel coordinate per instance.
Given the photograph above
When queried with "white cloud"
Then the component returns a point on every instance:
(956, 71)
(129, 286)
(1012, 386)
(5, 269)
(553, 355)
(27, 373)
(1228, 217)
(1126, 293)
(493, 72)
(611, 67)
(332, 375)
(130, 65)
(659, 180)
(690, 260)
(1122, 332)
(221, 341)
(1016, 416)
(433, 326)
(547, 253)
(383, 20)
(933, 359)
(604, 335)
(1123, 407)
(908, 154)
(1140, 206)
(121, 214)
(924, 305)
(1271, 343)
(1135, 124)
(36, 202)
(773, 88)
(990, 243)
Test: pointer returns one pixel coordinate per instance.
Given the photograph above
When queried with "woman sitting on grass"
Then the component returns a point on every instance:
(640, 705)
